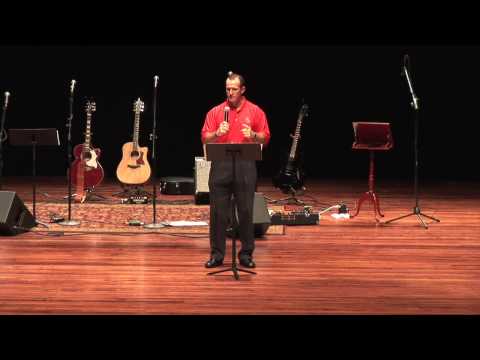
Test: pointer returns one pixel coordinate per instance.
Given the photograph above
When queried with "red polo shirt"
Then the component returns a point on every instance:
(247, 113)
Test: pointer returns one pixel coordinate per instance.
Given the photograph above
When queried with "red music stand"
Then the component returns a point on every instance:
(371, 136)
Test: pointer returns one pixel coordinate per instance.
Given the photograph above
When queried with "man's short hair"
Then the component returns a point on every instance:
(233, 76)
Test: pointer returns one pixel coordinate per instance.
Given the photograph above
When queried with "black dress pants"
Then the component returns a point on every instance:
(222, 186)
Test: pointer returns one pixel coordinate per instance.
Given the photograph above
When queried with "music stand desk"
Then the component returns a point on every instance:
(42, 137)
(224, 151)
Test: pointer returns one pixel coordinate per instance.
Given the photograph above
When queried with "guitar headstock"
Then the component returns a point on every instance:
(90, 107)
(304, 110)
(138, 106)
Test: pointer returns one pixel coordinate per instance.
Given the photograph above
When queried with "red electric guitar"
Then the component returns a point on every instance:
(86, 170)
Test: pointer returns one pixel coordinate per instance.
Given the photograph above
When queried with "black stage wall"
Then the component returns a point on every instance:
(341, 84)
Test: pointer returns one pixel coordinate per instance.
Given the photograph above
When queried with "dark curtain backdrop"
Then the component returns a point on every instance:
(341, 84)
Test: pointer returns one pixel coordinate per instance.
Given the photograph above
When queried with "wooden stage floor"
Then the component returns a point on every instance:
(349, 266)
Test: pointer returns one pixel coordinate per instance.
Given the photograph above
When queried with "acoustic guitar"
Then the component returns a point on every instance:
(134, 168)
(87, 172)
(291, 177)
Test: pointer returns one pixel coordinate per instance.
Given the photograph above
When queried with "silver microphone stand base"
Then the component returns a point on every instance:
(153, 226)
(69, 222)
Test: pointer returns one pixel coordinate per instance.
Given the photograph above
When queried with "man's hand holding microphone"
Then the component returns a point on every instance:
(224, 126)
(222, 129)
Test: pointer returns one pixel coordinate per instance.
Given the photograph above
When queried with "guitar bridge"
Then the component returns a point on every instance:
(133, 166)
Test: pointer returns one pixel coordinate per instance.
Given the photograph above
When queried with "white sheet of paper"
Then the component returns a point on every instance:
(185, 223)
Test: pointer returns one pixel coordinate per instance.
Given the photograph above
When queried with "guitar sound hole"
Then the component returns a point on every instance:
(134, 154)
(87, 156)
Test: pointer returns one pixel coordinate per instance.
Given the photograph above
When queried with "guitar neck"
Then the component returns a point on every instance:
(136, 130)
(293, 149)
(86, 145)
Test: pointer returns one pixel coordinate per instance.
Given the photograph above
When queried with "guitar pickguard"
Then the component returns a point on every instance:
(92, 162)
(140, 159)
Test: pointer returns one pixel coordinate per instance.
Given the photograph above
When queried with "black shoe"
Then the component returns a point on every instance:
(213, 263)
(247, 262)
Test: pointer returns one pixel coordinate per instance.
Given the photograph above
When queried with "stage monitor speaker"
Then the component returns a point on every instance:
(261, 217)
(15, 218)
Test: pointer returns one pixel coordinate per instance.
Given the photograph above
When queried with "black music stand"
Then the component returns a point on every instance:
(34, 138)
(371, 136)
(226, 152)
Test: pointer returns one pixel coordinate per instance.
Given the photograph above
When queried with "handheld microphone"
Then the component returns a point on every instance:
(155, 80)
(7, 94)
(225, 113)
(72, 86)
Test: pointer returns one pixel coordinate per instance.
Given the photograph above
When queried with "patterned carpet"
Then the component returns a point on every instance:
(114, 218)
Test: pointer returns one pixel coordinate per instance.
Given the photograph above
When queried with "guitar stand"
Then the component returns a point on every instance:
(133, 191)
(89, 195)
(290, 200)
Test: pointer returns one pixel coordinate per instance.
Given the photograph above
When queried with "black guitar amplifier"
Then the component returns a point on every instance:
(176, 185)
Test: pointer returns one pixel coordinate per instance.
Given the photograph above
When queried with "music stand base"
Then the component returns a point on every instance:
(416, 211)
(372, 197)
(235, 271)
(69, 223)
(154, 226)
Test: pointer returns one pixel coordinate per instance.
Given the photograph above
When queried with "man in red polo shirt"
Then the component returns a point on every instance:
(245, 123)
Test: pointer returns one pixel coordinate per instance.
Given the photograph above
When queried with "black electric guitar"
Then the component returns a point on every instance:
(291, 177)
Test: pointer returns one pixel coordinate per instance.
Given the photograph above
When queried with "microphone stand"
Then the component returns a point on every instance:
(416, 210)
(70, 222)
(2, 136)
(153, 137)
